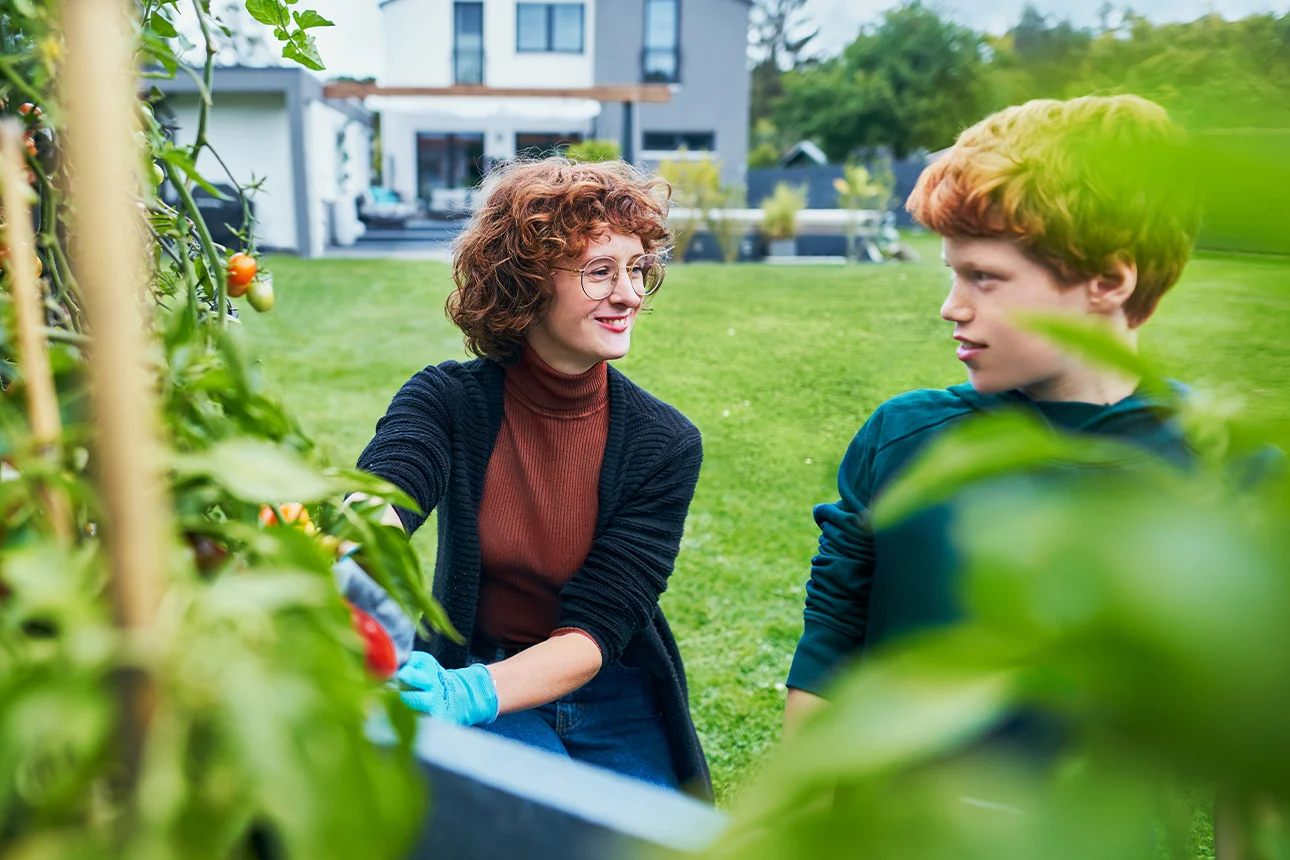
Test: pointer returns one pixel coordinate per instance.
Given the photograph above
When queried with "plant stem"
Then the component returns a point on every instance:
(208, 78)
(11, 74)
(29, 313)
(208, 245)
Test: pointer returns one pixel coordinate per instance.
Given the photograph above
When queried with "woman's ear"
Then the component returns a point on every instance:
(1109, 291)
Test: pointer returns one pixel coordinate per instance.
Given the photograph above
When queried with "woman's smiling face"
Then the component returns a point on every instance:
(576, 331)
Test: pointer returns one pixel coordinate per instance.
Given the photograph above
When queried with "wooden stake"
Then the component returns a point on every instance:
(99, 94)
(29, 310)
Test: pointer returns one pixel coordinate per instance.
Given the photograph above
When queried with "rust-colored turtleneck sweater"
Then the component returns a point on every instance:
(537, 517)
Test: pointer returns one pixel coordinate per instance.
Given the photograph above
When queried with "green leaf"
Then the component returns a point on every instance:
(358, 481)
(1094, 342)
(159, 50)
(266, 591)
(890, 714)
(185, 42)
(310, 18)
(985, 447)
(256, 471)
(180, 159)
(269, 12)
(304, 51)
(161, 25)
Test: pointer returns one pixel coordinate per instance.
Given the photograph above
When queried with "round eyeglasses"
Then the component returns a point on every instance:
(600, 275)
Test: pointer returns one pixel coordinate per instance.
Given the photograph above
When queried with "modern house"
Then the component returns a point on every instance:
(489, 65)
(699, 48)
(312, 154)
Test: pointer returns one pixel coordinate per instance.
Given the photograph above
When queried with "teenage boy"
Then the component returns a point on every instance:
(1052, 207)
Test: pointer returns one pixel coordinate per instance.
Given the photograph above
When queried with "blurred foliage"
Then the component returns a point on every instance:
(915, 78)
(726, 228)
(1126, 635)
(780, 209)
(696, 185)
(593, 151)
(858, 188)
(256, 743)
(912, 82)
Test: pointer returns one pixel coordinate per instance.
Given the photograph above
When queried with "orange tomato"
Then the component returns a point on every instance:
(293, 512)
(241, 270)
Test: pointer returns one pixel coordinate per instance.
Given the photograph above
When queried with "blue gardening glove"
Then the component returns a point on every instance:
(362, 591)
(466, 697)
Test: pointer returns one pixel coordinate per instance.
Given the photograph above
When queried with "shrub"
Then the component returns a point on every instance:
(779, 220)
(593, 151)
(696, 184)
(727, 230)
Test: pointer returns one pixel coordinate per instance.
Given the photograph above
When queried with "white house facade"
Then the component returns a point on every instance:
(436, 148)
(311, 155)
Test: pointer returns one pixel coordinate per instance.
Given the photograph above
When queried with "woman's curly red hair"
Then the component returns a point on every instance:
(535, 215)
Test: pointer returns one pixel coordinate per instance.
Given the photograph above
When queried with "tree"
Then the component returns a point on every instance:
(777, 36)
(911, 82)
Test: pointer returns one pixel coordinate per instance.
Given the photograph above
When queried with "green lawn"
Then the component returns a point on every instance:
(778, 367)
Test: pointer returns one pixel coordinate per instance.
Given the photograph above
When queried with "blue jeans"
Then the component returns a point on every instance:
(614, 722)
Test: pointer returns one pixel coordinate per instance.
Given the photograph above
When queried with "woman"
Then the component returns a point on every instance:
(561, 487)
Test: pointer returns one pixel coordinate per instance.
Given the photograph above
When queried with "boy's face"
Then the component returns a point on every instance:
(993, 282)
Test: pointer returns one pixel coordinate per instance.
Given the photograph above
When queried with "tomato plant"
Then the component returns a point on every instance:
(259, 697)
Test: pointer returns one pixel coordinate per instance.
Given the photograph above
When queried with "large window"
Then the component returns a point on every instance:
(539, 144)
(468, 43)
(670, 141)
(661, 61)
(549, 27)
(448, 161)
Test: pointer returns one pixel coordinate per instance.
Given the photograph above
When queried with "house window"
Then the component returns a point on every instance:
(662, 57)
(448, 161)
(549, 27)
(670, 141)
(468, 43)
(538, 144)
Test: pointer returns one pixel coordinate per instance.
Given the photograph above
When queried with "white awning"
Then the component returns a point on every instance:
(483, 107)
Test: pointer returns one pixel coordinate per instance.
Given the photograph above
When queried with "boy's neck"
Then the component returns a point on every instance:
(1090, 387)
(1084, 383)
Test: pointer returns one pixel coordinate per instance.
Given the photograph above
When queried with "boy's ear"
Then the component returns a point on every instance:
(1109, 291)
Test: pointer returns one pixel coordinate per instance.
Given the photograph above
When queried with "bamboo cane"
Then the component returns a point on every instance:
(28, 302)
(99, 89)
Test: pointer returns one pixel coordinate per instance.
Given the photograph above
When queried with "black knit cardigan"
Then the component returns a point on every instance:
(435, 442)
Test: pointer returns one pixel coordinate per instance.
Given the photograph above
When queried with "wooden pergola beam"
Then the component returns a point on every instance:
(632, 93)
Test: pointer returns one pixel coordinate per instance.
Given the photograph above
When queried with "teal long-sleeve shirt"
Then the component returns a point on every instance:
(870, 587)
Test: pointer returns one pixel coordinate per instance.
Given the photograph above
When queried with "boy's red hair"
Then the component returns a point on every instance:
(1077, 185)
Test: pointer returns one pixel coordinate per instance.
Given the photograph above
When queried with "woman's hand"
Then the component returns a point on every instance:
(466, 697)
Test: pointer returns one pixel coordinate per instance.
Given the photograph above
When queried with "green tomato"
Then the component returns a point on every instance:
(158, 175)
(260, 294)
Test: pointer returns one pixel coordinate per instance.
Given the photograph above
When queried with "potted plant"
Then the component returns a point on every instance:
(858, 189)
(779, 218)
(696, 184)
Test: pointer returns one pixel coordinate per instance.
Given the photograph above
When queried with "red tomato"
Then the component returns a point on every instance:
(381, 659)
